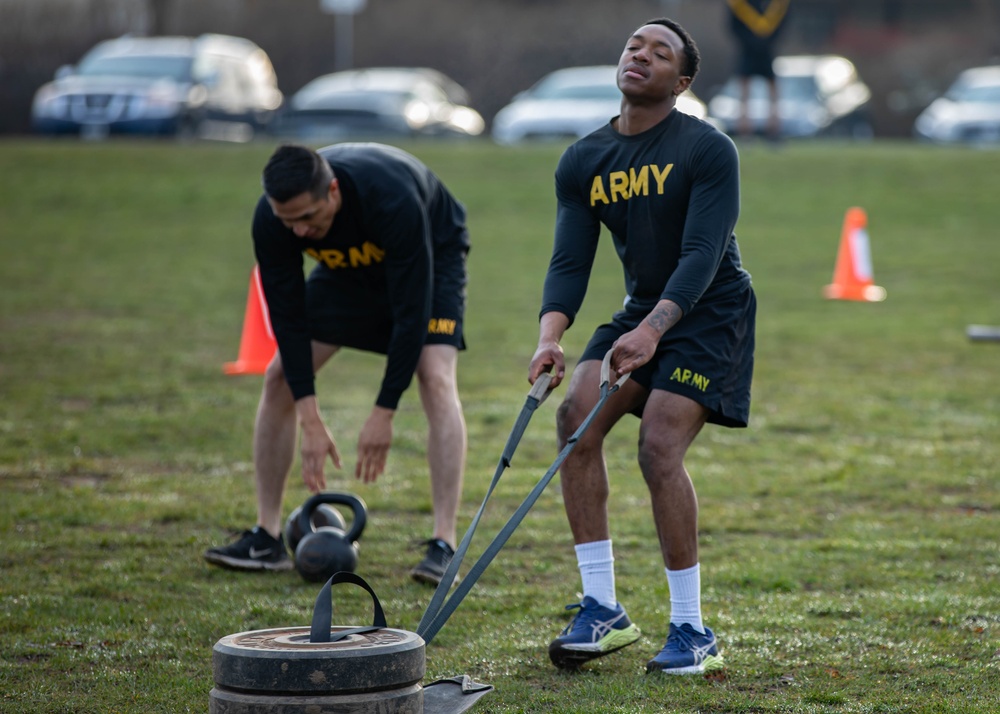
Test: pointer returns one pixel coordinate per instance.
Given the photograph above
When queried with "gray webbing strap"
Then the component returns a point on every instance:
(428, 630)
(537, 395)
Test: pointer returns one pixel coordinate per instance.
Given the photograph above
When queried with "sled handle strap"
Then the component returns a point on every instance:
(323, 610)
(539, 393)
(428, 630)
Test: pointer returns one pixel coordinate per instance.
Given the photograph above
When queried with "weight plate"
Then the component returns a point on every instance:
(398, 701)
(284, 661)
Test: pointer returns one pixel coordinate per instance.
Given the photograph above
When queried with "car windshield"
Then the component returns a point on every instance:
(976, 94)
(321, 98)
(173, 67)
(566, 90)
(790, 87)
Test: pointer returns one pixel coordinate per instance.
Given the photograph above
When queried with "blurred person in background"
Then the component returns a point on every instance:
(755, 25)
(390, 245)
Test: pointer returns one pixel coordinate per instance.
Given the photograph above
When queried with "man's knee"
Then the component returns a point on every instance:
(275, 385)
(660, 453)
(569, 416)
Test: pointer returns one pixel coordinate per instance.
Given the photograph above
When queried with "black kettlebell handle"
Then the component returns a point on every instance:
(323, 610)
(357, 506)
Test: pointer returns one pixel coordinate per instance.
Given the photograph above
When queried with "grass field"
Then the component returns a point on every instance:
(850, 556)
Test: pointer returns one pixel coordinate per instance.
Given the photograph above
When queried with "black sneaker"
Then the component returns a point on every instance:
(255, 550)
(431, 569)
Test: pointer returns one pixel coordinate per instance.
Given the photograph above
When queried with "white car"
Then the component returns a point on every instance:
(968, 113)
(569, 104)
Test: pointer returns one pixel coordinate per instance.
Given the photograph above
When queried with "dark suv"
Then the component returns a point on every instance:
(212, 86)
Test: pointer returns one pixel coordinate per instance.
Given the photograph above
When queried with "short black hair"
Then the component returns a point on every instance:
(293, 170)
(692, 57)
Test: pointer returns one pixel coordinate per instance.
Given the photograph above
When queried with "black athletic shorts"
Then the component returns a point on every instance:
(755, 62)
(707, 356)
(363, 320)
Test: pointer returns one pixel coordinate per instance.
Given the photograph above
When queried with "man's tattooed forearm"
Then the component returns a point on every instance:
(663, 317)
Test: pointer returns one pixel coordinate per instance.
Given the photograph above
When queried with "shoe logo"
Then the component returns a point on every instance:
(700, 652)
(254, 553)
(600, 628)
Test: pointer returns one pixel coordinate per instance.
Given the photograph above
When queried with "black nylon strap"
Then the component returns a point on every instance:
(323, 610)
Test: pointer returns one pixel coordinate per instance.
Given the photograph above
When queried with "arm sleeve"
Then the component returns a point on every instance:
(284, 288)
(577, 232)
(403, 224)
(713, 208)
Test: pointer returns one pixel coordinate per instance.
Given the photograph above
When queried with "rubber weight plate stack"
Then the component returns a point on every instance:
(280, 670)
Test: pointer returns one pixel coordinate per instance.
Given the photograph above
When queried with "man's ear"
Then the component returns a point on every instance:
(683, 83)
(333, 190)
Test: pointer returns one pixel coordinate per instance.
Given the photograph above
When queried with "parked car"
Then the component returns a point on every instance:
(378, 102)
(569, 104)
(818, 95)
(968, 113)
(212, 86)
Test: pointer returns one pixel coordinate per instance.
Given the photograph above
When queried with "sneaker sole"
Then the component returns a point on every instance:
(571, 658)
(428, 578)
(249, 565)
(709, 664)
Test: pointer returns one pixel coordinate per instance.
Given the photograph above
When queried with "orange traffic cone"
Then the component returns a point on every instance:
(257, 346)
(852, 276)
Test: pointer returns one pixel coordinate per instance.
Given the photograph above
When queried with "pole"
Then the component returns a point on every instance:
(344, 41)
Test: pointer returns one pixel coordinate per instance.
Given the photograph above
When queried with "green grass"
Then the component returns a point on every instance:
(850, 553)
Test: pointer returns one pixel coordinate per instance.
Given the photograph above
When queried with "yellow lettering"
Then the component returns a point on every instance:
(597, 192)
(366, 255)
(686, 376)
(619, 185)
(441, 327)
(660, 177)
(639, 183)
(333, 259)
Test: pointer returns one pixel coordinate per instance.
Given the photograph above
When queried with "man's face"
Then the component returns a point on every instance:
(651, 66)
(307, 216)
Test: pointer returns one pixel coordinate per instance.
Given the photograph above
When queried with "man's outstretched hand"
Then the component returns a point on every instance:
(373, 444)
(317, 445)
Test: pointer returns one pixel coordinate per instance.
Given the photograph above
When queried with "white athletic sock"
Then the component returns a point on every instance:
(597, 570)
(685, 596)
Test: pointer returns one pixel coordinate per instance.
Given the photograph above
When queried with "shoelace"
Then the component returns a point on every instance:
(682, 639)
(585, 616)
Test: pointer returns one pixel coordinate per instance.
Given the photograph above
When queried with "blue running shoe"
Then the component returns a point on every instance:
(594, 632)
(687, 652)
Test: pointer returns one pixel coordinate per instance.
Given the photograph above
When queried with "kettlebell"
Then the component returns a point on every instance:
(326, 550)
(324, 515)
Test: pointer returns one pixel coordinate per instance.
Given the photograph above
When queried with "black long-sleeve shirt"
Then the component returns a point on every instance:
(396, 214)
(756, 24)
(670, 198)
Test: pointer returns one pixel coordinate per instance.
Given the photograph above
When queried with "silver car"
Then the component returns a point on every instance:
(968, 113)
(569, 104)
(380, 102)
